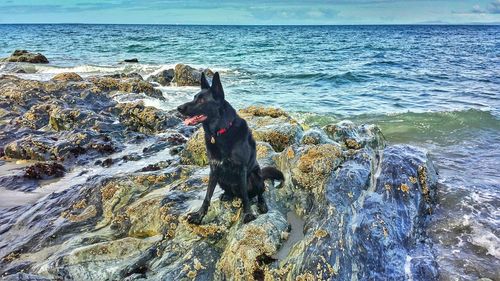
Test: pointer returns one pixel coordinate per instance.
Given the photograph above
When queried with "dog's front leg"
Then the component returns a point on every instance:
(248, 216)
(197, 217)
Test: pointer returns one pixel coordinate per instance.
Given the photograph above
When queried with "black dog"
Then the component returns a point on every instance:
(230, 149)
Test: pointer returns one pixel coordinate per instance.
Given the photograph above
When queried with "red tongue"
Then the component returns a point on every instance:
(194, 120)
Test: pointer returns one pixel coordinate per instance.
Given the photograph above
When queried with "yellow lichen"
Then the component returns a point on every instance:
(315, 166)
(192, 274)
(88, 213)
(263, 111)
(278, 140)
(413, 179)
(236, 203)
(240, 259)
(80, 204)
(320, 233)
(198, 265)
(262, 151)
(108, 191)
(405, 188)
(290, 153)
(352, 144)
(305, 277)
(205, 230)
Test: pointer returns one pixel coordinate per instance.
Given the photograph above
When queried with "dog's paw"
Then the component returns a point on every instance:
(195, 218)
(226, 197)
(262, 206)
(248, 217)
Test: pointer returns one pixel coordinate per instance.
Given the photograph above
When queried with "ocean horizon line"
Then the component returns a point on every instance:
(211, 24)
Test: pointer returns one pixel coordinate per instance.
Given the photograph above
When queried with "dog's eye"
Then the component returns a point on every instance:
(200, 100)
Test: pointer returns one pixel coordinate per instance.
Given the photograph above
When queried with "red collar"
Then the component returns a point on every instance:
(224, 130)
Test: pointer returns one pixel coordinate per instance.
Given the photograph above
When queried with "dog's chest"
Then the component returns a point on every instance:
(226, 169)
(223, 164)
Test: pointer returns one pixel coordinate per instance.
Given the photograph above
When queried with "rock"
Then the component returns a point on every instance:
(70, 118)
(145, 119)
(251, 247)
(70, 145)
(25, 56)
(134, 60)
(362, 205)
(195, 152)
(163, 78)
(273, 126)
(24, 277)
(315, 136)
(30, 148)
(125, 75)
(186, 75)
(359, 217)
(44, 171)
(130, 85)
(67, 76)
(356, 137)
(38, 115)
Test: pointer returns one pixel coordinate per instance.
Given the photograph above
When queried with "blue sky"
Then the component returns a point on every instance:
(250, 12)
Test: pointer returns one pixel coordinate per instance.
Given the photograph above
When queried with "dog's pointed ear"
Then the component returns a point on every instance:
(204, 82)
(216, 88)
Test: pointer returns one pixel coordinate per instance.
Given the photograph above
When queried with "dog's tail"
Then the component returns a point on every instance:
(271, 173)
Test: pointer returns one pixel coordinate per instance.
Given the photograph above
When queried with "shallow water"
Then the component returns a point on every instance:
(432, 86)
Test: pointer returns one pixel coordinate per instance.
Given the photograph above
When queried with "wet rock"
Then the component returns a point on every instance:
(30, 148)
(70, 118)
(356, 137)
(163, 78)
(24, 277)
(71, 144)
(186, 75)
(246, 253)
(145, 119)
(372, 206)
(315, 136)
(364, 206)
(195, 152)
(67, 77)
(130, 85)
(25, 56)
(156, 166)
(44, 171)
(38, 115)
(107, 162)
(273, 126)
(134, 60)
(125, 75)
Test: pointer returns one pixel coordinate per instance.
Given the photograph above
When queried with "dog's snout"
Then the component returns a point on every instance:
(181, 108)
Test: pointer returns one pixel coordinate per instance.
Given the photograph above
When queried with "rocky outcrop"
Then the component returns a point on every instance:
(145, 119)
(163, 78)
(186, 75)
(44, 171)
(130, 85)
(67, 76)
(25, 56)
(362, 204)
(134, 60)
